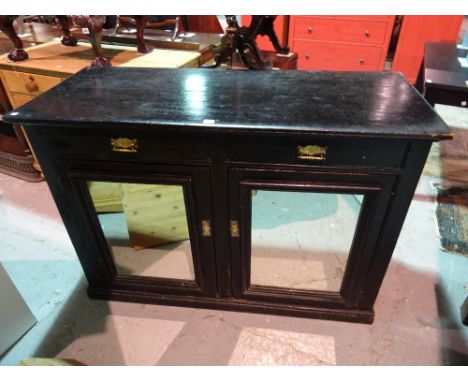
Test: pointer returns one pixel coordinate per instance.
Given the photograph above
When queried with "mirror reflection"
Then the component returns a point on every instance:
(145, 226)
(301, 240)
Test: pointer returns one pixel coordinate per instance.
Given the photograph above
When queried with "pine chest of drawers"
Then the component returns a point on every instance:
(278, 192)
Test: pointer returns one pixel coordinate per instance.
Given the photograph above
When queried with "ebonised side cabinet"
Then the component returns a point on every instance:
(278, 192)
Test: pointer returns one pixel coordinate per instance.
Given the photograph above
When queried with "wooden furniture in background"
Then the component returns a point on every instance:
(145, 208)
(243, 41)
(445, 80)
(204, 24)
(281, 28)
(202, 43)
(15, 155)
(51, 63)
(106, 196)
(330, 133)
(279, 61)
(415, 31)
(340, 42)
(93, 24)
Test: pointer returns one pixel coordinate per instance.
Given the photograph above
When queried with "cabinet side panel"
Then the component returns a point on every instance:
(68, 211)
(394, 218)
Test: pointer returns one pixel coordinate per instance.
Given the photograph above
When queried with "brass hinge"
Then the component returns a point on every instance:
(206, 228)
(234, 228)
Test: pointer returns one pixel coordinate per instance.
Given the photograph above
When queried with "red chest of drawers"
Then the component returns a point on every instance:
(352, 43)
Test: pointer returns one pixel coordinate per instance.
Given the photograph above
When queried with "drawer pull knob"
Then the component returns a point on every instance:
(366, 33)
(31, 86)
(309, 29)
(312, 152)
(307, 56)
(124, 145)
(361, 60)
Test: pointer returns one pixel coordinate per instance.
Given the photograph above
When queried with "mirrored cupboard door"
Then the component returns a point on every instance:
(154, 231)
(303, 237)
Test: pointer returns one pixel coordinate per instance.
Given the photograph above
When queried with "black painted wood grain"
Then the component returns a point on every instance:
(339, 103)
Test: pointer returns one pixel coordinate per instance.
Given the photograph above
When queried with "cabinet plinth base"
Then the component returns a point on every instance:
(231, 304)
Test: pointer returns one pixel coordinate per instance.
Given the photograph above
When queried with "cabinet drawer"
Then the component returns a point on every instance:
(337, 152)
(341, 30)
(355, 17)
(125, 145)
(18, 99)
(317, 55)
(26, 83)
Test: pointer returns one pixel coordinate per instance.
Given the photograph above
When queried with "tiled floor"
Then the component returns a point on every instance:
(417, 312)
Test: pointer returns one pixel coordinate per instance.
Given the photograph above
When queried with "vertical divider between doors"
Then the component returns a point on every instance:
(237, 244)
(220, 214)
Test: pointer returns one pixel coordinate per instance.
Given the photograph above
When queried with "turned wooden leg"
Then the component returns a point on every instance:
(276, 44)
(176, 28)
(140, 24)
(269, 30)
(95, 35)
(68, 39)
(6, 26)
(94, 24)
(99, 60)
(251, 57)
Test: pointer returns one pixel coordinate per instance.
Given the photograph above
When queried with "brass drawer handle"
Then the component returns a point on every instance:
(32, 85)
(124, 145)
(312, 152)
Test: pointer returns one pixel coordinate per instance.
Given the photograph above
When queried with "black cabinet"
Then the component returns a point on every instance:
(272, 192)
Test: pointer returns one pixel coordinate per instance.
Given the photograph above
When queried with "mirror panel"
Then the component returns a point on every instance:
(301, 240)
(146, 228)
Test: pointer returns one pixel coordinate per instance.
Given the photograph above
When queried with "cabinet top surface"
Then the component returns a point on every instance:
(331, 103)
